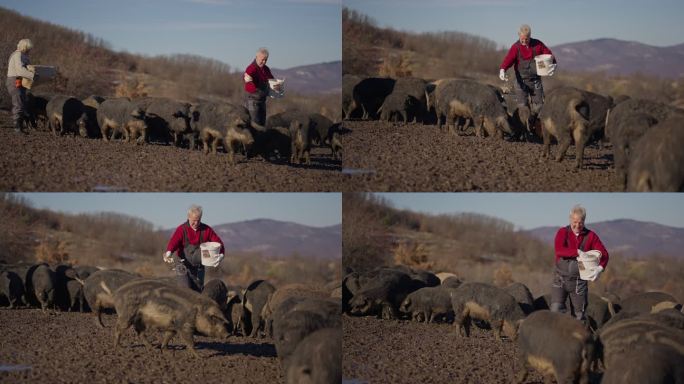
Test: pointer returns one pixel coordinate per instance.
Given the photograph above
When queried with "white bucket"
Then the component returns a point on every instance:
(272, 92)
(544, 63)
(211, 253)
(44, 72)
(587, 262)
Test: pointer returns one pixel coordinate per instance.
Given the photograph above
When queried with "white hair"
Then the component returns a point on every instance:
(579, 211)
(195, 210)
(262, 51)
(525, 30)
(24, 45)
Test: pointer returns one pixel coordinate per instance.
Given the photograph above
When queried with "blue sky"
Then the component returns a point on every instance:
(296, 32)
(531, 210)
(167, 210)
(554, 22)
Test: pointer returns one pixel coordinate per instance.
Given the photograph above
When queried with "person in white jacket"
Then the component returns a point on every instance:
(16, 70)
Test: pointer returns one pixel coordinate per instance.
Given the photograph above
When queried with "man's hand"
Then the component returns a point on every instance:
(597, 272)
(502, 75)
(247, 78)
(552, 69)
(167, 257)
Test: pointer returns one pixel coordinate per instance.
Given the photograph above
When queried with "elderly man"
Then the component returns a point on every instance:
(528, 84)
(569, 242)
(16, 70)
(256, 79)
(186, 242)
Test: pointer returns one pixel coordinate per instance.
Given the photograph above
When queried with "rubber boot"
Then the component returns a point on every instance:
(19, 126)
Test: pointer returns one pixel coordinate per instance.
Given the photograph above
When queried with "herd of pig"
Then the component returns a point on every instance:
(635, 127)
(287, 135)
(304, 322)
(636, 340)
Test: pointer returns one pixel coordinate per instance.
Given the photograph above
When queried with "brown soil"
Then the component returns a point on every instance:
(391, 351)
(416, 157)
(66, 347)
(40, 161)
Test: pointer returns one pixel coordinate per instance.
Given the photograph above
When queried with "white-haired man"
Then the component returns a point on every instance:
(186, 241)
(570, 241)
(17, 69)
(527, 85)
(256, 79)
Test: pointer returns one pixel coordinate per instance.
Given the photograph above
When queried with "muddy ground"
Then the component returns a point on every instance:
(40, 161)
(416, 157)
(393, 351)
(63, 347)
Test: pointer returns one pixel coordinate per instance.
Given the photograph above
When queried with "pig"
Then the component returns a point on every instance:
(327, 134)
(556, 345)
(464, 100)
(63, 114)
(647, 364)
(522, 295)
(451, 282)
(627, 123)
(370, 93)
(75, 292)
(408, 98)
(301, 131)
(657, 162)
(166, 118)
(43, 282)
(84, 271)
(283, 293)
(36, 106)
(216, 290)
(571, 114)
(99, 289)
(11, 287)
(149, 305)
(236, 312)
(480, 301)
(633, 334)
(429, 303)
(349, 106)
(63, 274)
(305, 317)
(121, 116)
(646, 301)
(87, 124)
(255, 298)
(223, 124)
(381, 294)
(317, 358)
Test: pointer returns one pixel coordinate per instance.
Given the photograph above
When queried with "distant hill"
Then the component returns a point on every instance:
(313, 78)
(629, 237)
(279, 238)
(619, 57)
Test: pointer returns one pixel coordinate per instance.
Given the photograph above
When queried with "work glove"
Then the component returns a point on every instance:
(247, 78)
(552, 69)
(167, 257)
(597, 272)
(218, 261)
(502, 75)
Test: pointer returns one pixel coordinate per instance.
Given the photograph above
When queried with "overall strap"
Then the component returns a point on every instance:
(185, 234)
(584, 239)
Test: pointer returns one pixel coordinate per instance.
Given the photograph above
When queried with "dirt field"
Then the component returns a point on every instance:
(66, 347)
(42, 162)
(419, 157)
(391, 351)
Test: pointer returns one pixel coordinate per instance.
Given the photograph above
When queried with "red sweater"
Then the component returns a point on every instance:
(177, 242)
(511, 58)
(259, 76)
(569, 249)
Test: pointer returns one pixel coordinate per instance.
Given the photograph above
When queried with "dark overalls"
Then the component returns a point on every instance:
(189, 270)
(256, 104)
(567, 282)
(528, 84)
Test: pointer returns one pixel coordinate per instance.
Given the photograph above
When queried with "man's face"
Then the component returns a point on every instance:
(261, 59)
(524, 39)
(194, 221)
(576, 223)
